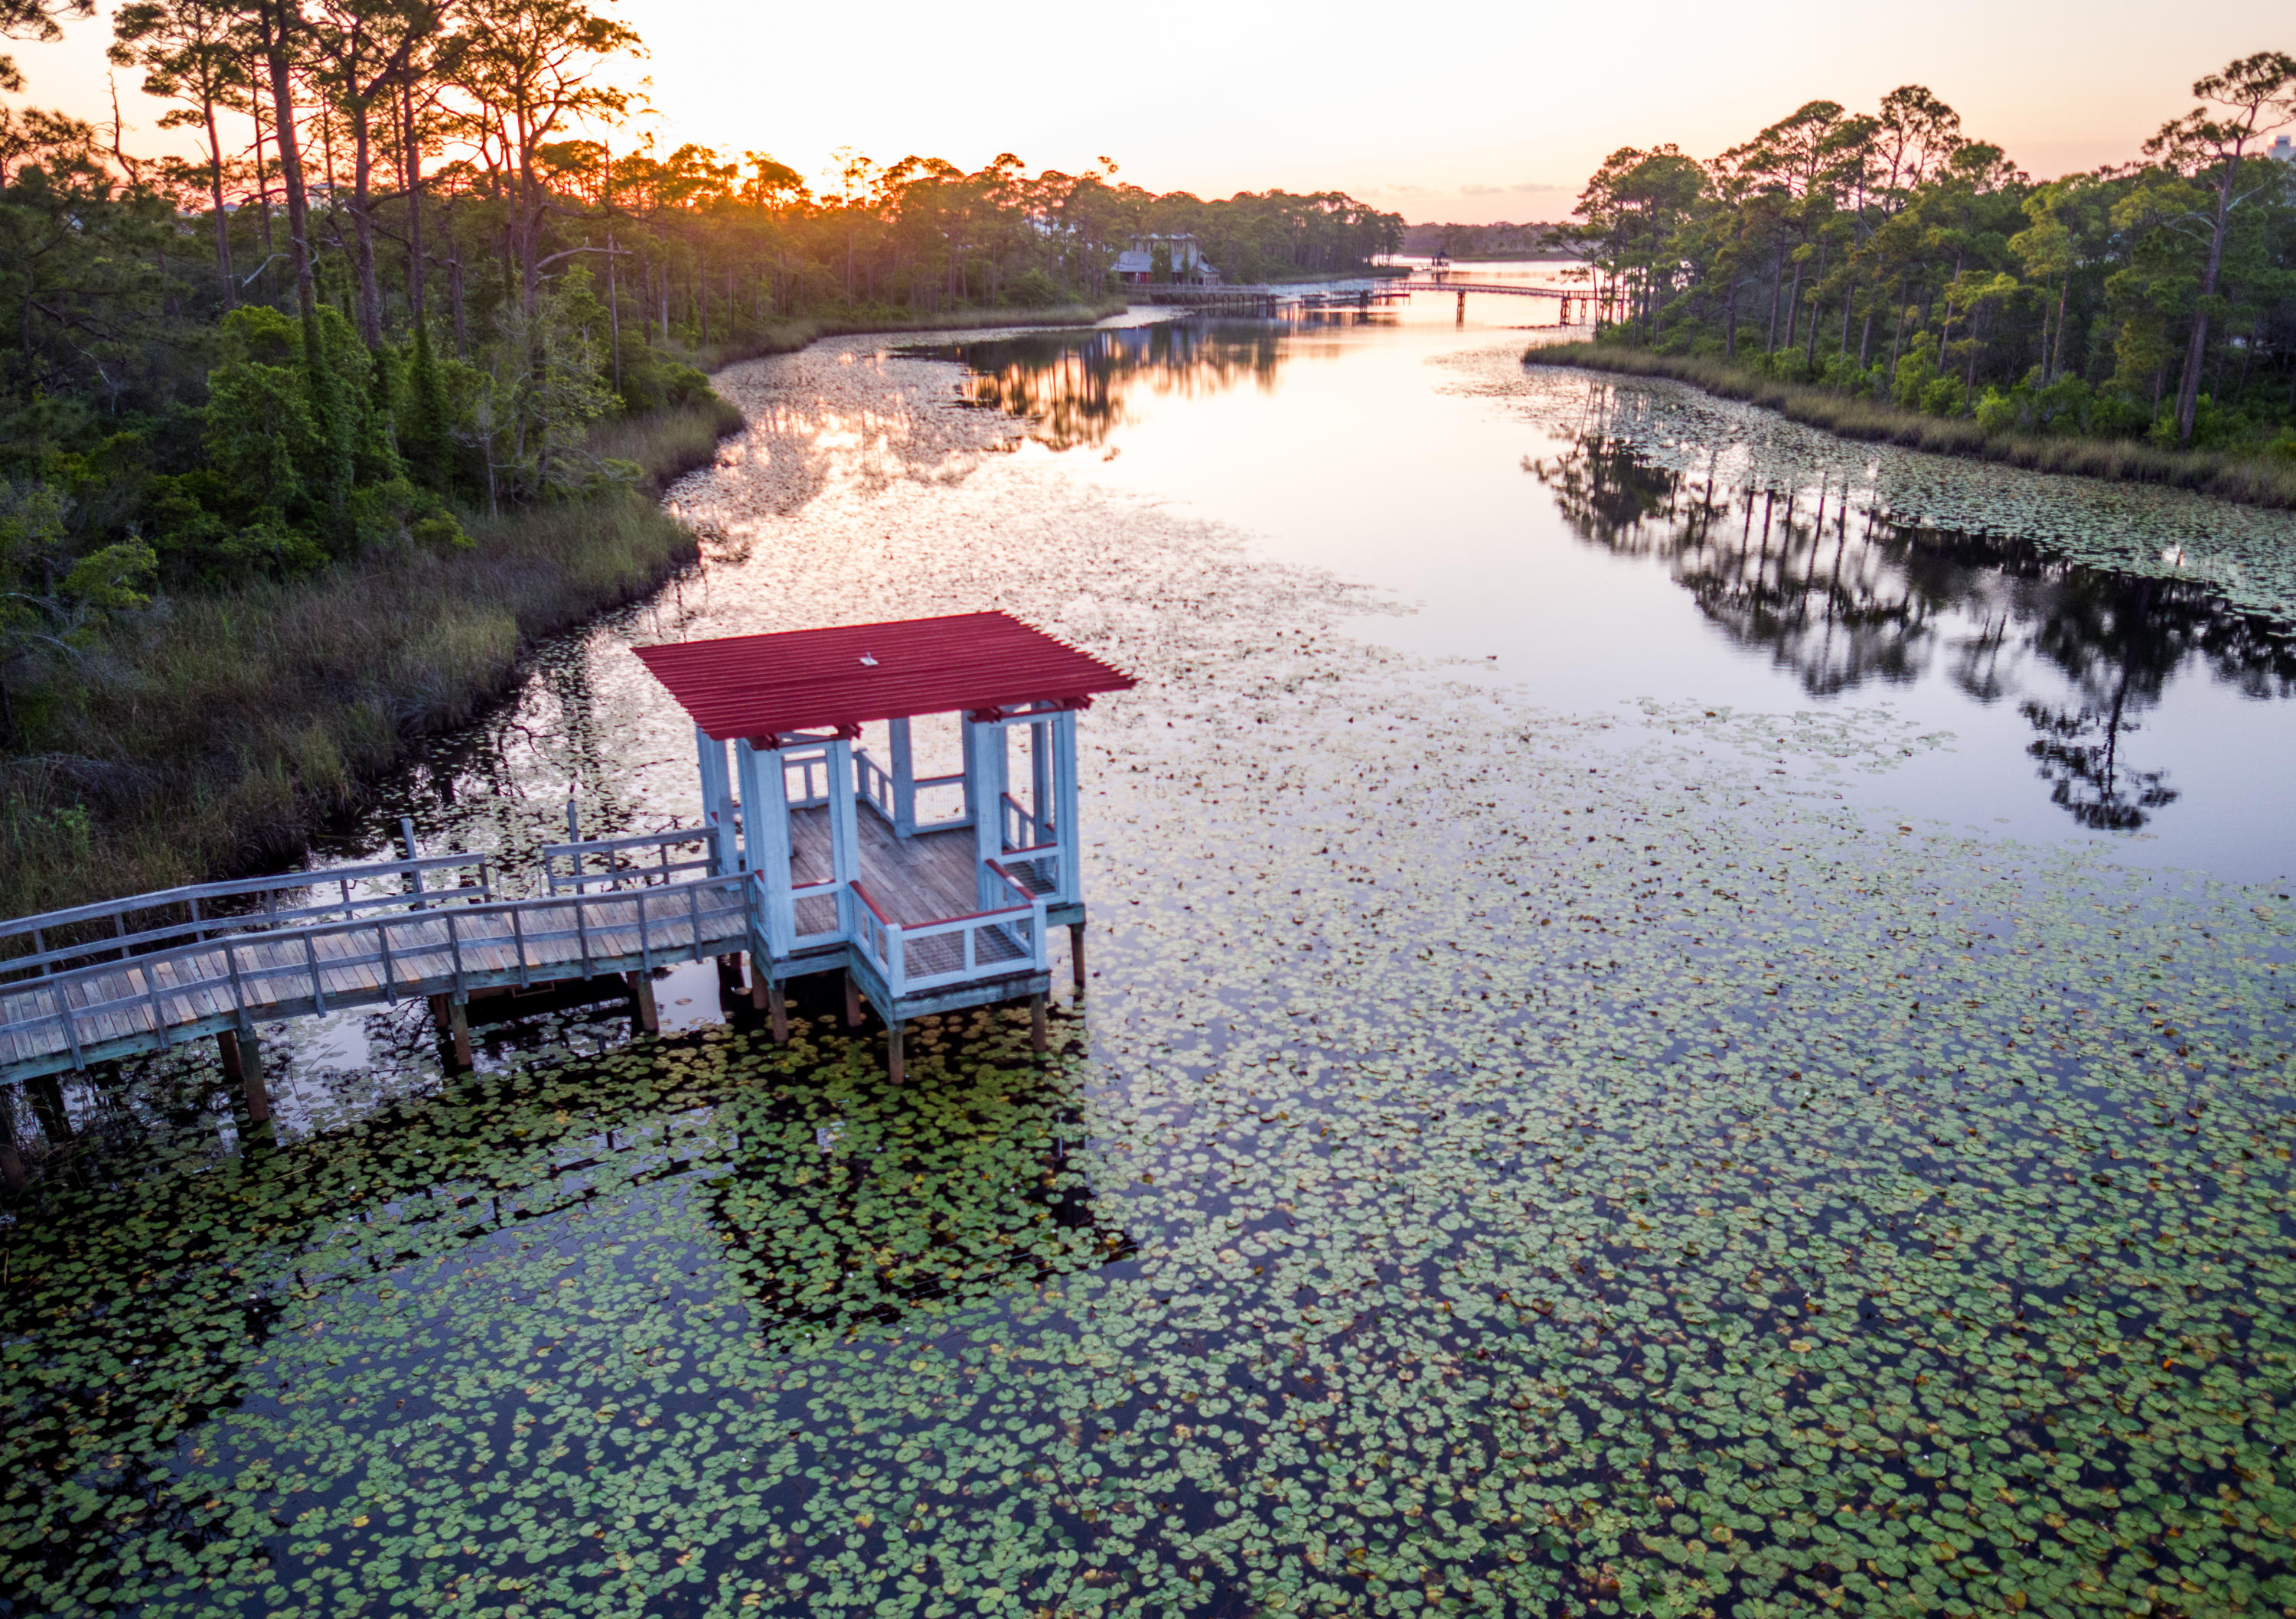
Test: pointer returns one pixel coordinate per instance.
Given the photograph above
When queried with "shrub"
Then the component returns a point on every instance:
(1032, 289)
(655, 383)
(1942, 397)
(1916, 370)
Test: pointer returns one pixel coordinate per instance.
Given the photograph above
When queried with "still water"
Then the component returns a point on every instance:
(1685, 1019)
(1537, 542)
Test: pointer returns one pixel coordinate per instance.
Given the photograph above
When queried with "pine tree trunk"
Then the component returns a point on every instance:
(370, 294)
(215, 197)
(411, 165)
(2188, 389)
(263, 201)
(276, 25)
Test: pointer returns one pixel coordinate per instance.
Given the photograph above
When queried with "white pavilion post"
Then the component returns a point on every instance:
(844, 833)
(1064, 792)
(766, 839)
(984, 795)
(717, 805)
(904, 779)
(1040, 780)
(968, 742)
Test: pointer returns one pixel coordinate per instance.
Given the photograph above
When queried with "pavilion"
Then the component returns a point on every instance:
(942, 894)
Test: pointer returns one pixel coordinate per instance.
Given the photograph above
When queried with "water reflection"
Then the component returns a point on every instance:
(1073, 387)
(1835, 593)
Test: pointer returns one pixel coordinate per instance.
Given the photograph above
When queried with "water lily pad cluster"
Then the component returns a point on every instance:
(1506, 1162)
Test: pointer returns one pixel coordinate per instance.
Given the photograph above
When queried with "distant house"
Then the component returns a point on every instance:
(2283, 149)
(1164, 260)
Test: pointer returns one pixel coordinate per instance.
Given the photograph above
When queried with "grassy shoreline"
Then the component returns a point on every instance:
(212, 735)
(2248, 481)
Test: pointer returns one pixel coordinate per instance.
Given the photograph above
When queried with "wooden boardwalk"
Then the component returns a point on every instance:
(237, 977)
(147, 973)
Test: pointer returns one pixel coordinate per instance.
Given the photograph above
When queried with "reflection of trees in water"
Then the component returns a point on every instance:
(1834, 590)
(841, 1208)
(841, 1221)
(1073, 387)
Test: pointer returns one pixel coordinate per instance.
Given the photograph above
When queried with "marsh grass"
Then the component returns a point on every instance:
(212, 735)
(2250, 481)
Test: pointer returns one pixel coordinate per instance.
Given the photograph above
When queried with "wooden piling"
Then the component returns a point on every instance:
(777, 1011)
(852, 1002)
(1039, 1036)
(1076, 955)
(48, 1107)
(458, 1027)
(895, 1068)
(12, 1162)
(645, 1012)
(241, 1051)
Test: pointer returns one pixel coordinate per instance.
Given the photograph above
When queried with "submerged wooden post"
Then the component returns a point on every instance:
(48, 1107)
(852, 1002)
(1075, 953)
(458, 1028)
(11, 1162)
(895, 1068)
(241, 1051)
(1039, 1037)
(645, 1012)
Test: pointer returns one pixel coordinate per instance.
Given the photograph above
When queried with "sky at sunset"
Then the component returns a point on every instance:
(1466, 113)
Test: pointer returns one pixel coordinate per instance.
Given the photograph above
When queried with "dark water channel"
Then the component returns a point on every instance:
(1734, 1060)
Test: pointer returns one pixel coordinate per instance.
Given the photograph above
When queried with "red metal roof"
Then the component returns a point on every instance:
(758, 686)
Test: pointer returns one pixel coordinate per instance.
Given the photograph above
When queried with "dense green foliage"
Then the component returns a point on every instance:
(1886, 255)
(1473, 242)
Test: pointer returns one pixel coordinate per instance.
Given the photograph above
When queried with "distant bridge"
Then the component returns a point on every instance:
(1585, 298)
(1267, 301)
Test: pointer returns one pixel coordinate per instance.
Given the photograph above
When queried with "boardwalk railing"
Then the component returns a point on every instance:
(113, 930)
(109, 1009)
(916, 956)
(626, 862)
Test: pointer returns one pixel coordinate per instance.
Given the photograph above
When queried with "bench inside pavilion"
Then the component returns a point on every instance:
(930, 893)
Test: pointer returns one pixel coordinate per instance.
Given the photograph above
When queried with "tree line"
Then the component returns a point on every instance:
(1887, 253)
(414, 256)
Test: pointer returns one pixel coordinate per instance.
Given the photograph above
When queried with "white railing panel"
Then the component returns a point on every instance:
(874, 783)
(805, 777)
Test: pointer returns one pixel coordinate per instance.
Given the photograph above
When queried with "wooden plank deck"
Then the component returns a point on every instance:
(918, 880)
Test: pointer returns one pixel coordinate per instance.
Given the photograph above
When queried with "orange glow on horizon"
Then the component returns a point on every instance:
(1494, 113)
